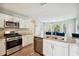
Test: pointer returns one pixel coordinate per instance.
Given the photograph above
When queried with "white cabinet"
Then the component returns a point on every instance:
(1, 23)
(60, 49)
(2, 47)
(22, 23)
(11, 18)
(28, 24)
(16, 19)
(47, 48)
(26, 40)
(25, 23)
(54, 48)
(29, 39)
(74, 49)
(2, 20)
(8, 18)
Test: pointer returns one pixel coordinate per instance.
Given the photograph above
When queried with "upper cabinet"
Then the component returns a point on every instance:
(2, 20)
(16, 19)
(28, 24)
(11, 18)
(8, 18)
(24, 23)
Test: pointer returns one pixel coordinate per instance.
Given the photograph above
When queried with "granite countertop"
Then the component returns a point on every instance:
(66, 39)
(39, 36)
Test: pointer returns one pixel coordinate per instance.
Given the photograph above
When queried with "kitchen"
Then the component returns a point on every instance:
(51, 29)
(13, 28)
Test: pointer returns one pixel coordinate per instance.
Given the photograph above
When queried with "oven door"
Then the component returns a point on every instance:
(13, 43)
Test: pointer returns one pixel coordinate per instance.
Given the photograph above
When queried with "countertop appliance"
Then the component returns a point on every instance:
(38, 45)
(13, 42)
(11, 24)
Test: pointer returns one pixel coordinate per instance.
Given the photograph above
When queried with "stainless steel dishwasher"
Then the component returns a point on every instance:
(38, 45)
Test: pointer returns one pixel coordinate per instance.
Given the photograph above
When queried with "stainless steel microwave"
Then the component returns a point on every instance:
(11, 24)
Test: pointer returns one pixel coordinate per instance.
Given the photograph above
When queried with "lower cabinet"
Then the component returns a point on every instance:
(53, 48)
(2, 47)
(74, 49)
(26, 40)
(47, 48)
(59, 50)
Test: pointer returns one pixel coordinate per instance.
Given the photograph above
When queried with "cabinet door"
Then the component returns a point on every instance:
(24, 41)
(28, 24)
(30, 39)
(47, 48)
(74, 50)
(16, 19)
(2, 47)
(8, 18)
(60, 50)
(2, 20)
(22, 23)
(27, 39)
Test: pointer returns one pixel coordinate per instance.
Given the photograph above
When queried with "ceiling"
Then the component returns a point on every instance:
(45, 11)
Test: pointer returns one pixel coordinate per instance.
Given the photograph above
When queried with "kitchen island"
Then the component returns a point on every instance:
(60, 46)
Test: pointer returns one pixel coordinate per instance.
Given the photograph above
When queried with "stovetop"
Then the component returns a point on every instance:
(12, 35)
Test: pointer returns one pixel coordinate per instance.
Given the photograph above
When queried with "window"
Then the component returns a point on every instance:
(64, 28)
(56, 28)
(48, 27)
(78, 27)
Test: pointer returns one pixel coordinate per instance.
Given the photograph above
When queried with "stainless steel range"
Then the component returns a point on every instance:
(13, 42)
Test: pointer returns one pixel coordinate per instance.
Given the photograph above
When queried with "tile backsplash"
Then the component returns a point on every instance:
(27, 31)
